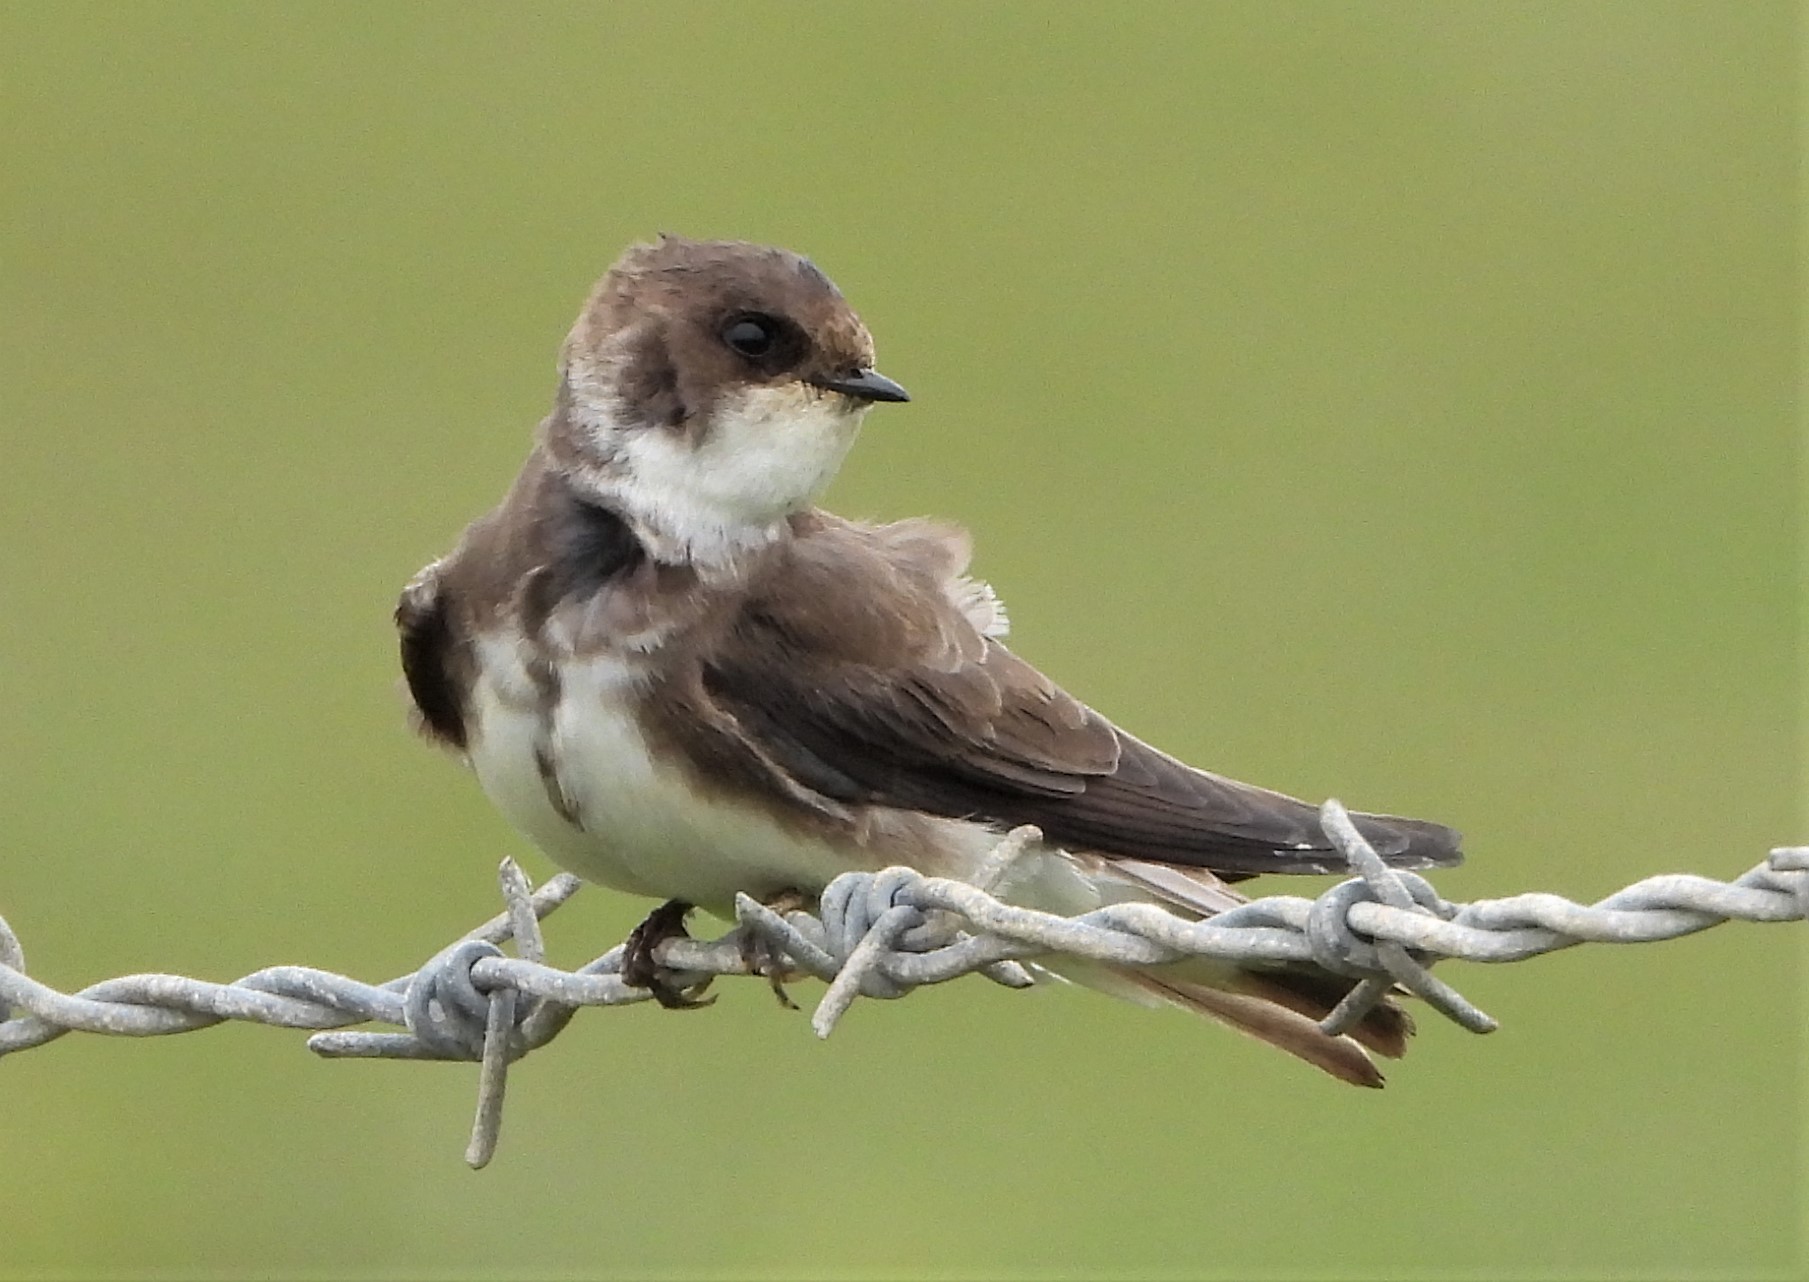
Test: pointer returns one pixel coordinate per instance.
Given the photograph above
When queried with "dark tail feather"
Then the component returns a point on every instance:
(1283, 1008)
(1314, 993)
(1299, 1036)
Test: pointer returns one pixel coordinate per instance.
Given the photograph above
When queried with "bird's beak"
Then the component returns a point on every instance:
(866, 384)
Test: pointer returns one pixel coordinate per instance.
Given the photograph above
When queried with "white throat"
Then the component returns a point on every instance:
(768, 452)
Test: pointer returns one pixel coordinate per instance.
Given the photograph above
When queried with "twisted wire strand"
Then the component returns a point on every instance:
(880, 935)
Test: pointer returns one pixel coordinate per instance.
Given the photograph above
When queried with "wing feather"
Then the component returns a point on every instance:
(431, 658)
(871, 683)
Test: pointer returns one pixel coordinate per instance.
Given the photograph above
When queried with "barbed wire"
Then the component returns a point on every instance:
(882, 934)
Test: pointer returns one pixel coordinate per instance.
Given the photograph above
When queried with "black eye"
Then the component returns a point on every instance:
(752, 335)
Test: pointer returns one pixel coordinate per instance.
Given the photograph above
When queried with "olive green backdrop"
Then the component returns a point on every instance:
(1394, 401)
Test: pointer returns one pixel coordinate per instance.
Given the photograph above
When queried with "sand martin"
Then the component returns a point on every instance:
(681, 679)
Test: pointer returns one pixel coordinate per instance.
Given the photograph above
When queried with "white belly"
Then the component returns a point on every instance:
(630, 821)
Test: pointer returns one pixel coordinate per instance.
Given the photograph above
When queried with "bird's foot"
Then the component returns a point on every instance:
(641, 970)
(761, 958)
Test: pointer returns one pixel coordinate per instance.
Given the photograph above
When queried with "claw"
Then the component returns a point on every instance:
(760, 957)
(640, 969)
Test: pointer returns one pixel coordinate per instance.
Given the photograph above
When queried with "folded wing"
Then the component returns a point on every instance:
(869, 702)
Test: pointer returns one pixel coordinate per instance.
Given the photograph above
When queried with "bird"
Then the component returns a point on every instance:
(680, 678)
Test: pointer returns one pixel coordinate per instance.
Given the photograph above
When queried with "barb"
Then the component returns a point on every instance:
(880, 935)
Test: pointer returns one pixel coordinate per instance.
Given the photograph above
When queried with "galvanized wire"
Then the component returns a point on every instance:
(882, 934)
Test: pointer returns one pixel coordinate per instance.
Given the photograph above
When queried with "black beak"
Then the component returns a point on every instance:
(867, 384)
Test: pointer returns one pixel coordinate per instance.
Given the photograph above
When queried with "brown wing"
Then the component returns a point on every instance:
(430, 659)
(873, 688)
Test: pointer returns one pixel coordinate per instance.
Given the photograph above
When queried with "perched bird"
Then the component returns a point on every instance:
(681, 679)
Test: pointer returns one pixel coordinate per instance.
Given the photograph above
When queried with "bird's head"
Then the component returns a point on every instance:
(710, 389)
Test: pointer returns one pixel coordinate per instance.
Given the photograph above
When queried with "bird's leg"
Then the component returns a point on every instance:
(639, 968)
(760, 957)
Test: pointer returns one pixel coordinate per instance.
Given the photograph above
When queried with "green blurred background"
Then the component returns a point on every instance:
(1417, 379)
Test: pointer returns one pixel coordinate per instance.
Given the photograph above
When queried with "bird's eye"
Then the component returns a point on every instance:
(752, 335)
